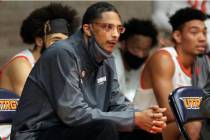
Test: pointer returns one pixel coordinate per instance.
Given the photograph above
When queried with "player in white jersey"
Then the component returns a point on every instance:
(27, 54)
(41, 28)
(145, 97)
(170, 68)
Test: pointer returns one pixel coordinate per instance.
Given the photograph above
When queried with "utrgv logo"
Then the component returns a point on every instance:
(8, 104)
(191, 102)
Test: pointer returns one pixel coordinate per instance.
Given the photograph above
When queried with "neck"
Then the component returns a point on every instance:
(36, 51)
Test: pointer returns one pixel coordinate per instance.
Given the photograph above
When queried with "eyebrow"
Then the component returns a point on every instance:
(196, 27)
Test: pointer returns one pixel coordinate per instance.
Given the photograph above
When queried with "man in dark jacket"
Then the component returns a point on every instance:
(73, 92)
(201, 79)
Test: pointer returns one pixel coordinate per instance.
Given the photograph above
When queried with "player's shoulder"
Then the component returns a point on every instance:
(162, 55)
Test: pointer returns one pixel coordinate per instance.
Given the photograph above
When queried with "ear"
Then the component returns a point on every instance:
(39, 41)
(86, 29)
(177, 36)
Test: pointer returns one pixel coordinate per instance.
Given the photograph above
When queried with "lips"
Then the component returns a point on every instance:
(202, 47)
(110, 46)
(112, 43)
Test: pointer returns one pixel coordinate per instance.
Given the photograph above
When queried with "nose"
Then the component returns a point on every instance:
(115, 33)
(203, 37)
(143, 53)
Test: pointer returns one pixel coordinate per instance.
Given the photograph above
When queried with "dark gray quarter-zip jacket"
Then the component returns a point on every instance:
(66, 86)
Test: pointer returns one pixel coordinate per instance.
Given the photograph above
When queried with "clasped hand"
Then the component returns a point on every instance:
(152, 119)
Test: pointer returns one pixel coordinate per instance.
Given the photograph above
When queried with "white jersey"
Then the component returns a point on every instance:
(128, 80)
(23, 54)
(145, 98)
(27, 54)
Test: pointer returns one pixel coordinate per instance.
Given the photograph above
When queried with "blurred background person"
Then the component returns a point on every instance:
(41, 28)
(132, 51)
(162, 10)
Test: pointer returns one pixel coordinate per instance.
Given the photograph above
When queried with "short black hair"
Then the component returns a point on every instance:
(94, 11)
(184, 15)
(33, 25)
(136, 26)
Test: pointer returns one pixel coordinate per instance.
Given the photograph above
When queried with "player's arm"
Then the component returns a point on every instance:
(161, 69)
(18, 71)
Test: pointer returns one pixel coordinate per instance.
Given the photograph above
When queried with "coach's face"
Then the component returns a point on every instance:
(107, 30)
